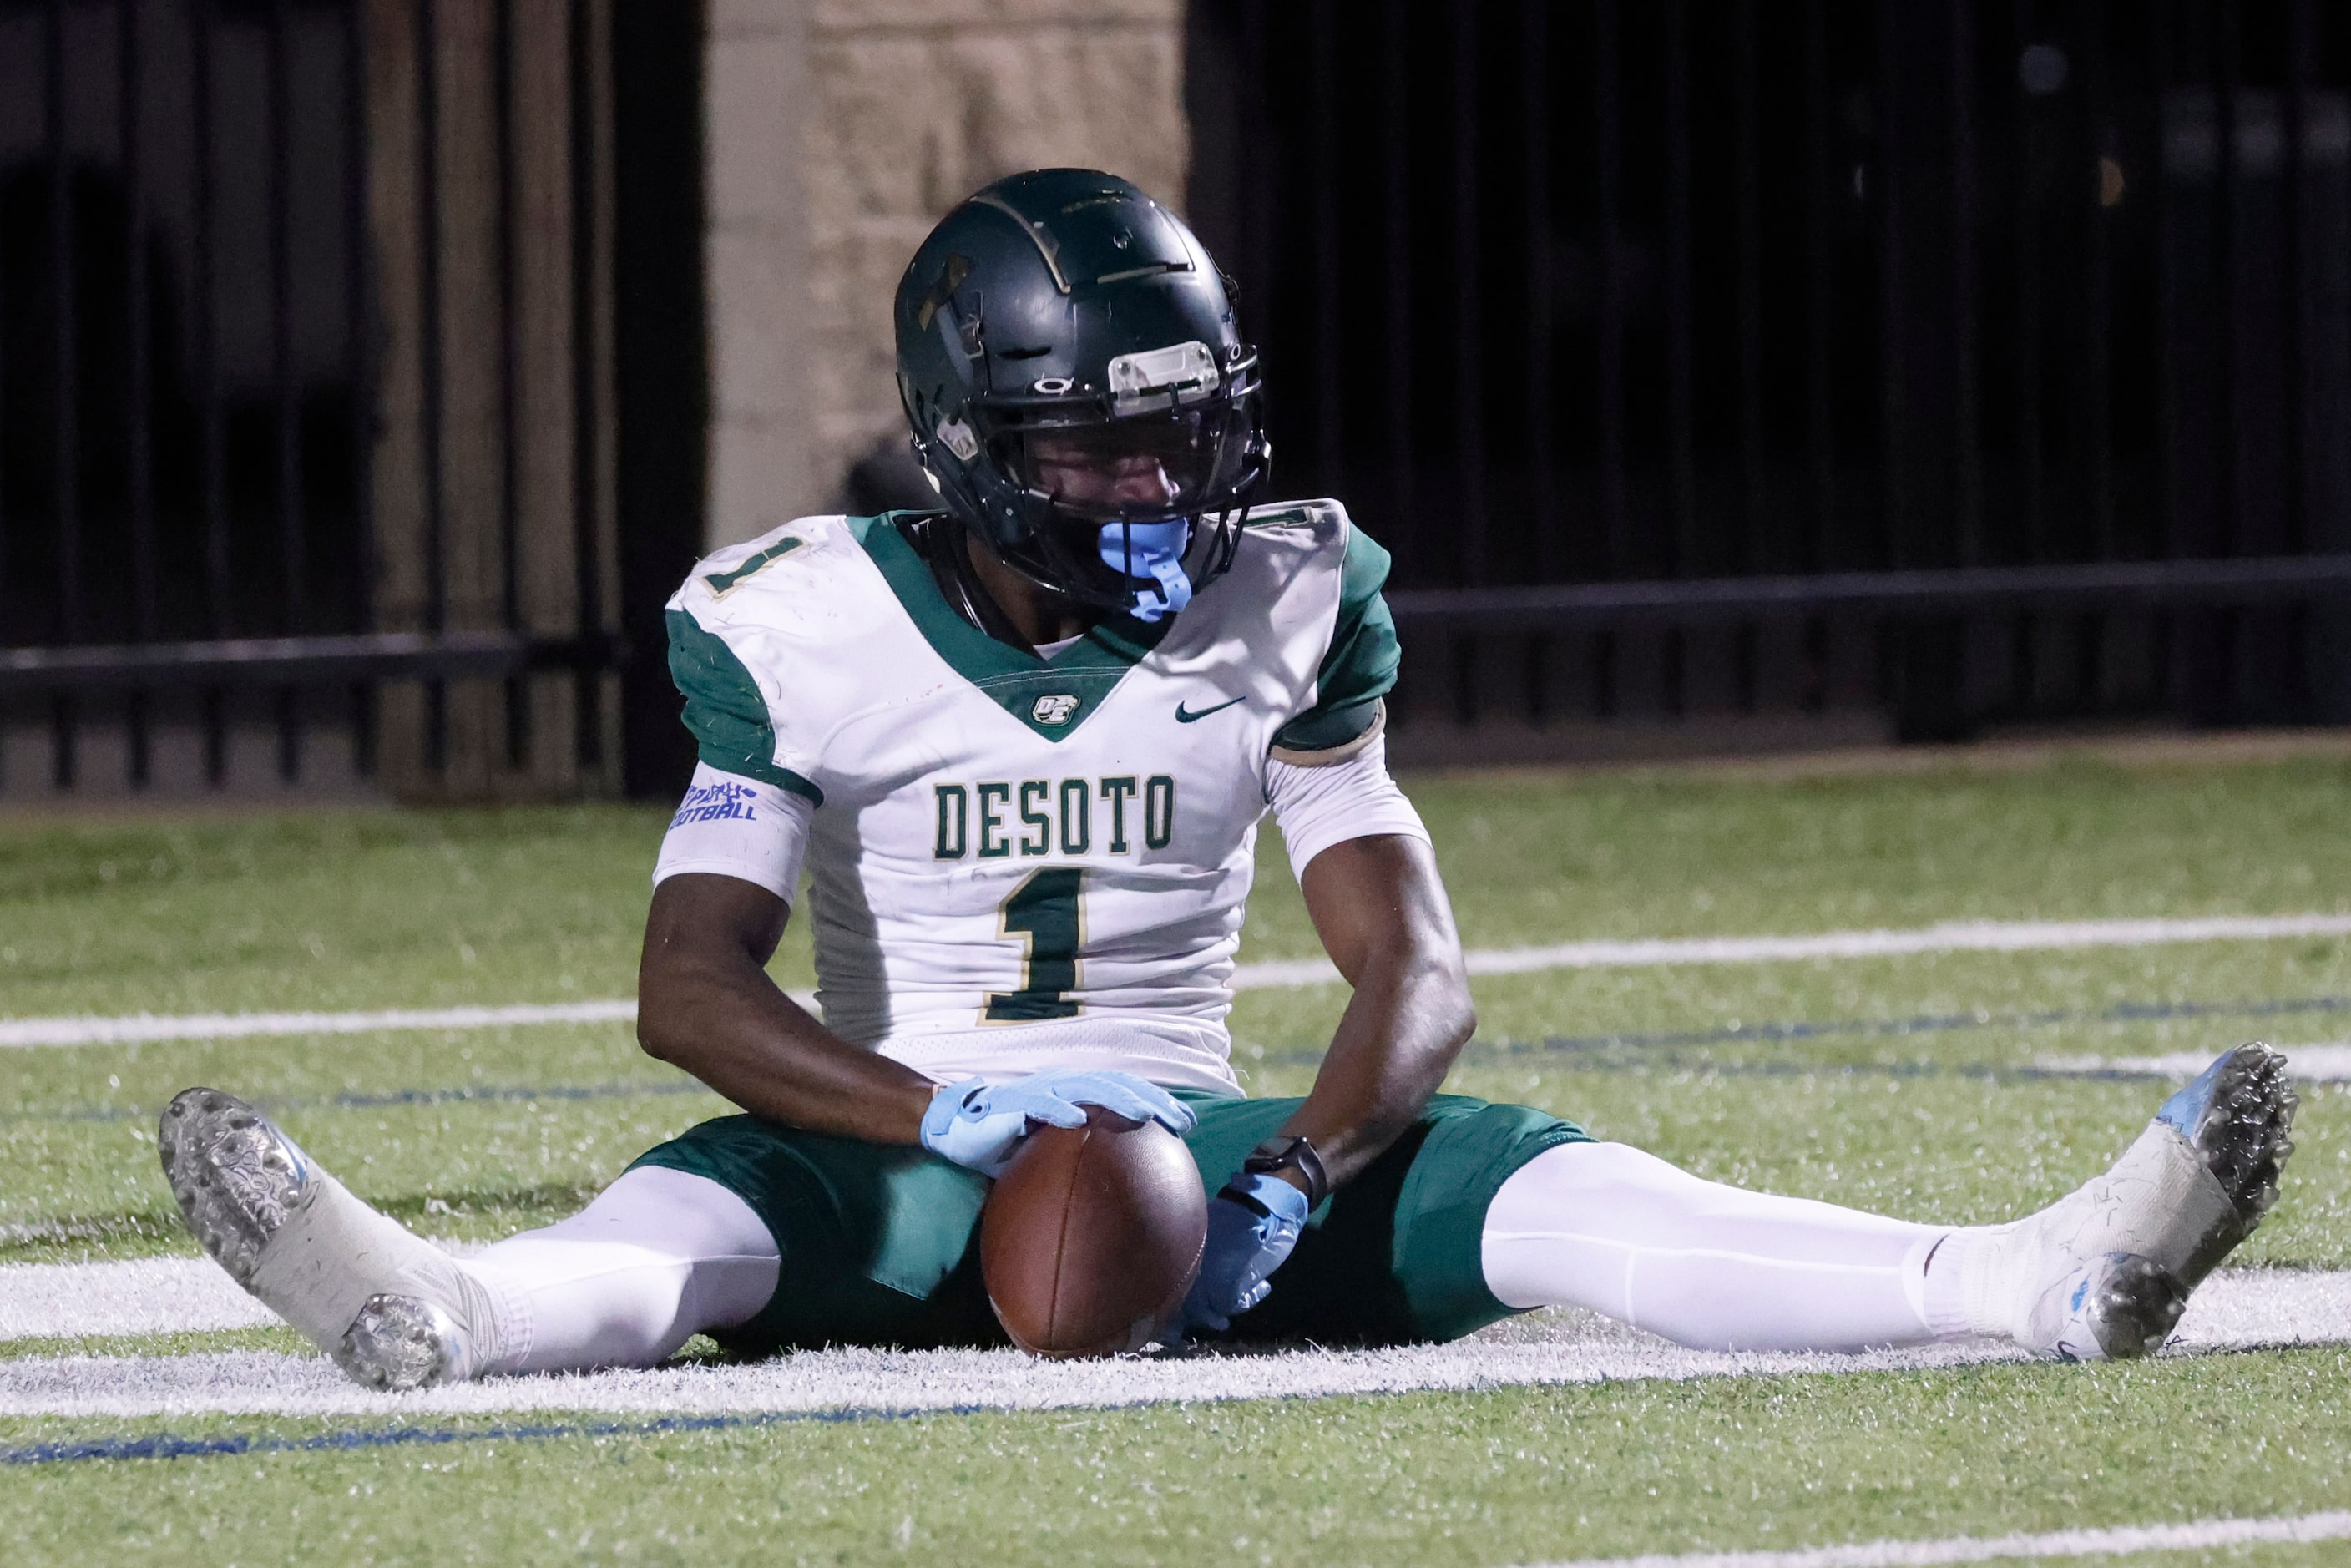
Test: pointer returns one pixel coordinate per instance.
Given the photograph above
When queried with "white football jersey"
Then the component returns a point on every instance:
(1022, 861)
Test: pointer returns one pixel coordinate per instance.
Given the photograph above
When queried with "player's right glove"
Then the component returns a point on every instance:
(1252, 1226)
(980, 1124)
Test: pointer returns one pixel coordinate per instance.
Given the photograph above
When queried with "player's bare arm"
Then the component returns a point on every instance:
(706, 1004)
(1382, 912)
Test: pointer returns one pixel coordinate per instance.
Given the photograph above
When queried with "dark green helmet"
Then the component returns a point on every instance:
(1061, 318)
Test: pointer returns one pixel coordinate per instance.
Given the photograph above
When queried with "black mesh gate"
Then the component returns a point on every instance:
(1654, 337)
(306, 411)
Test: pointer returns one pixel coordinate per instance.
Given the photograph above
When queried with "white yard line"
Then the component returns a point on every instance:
(1960, 936)
(2195, 1535)
(140, 1029)
(2325, 1063)
(144, 1029)
(2234, 1310)
(135, 1296)
(1957, 936)
(142, 1296)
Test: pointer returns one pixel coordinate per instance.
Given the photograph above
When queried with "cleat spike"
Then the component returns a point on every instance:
(2136, 1307)
(399, 1342)
(236, 1177)
(2118, 1307)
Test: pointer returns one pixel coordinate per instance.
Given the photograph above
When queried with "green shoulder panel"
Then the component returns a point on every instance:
(1361, 666)
(723, 708)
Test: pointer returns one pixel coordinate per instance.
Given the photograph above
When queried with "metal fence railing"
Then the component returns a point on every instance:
(305, 405)
(1952, 360)
(1751, 298)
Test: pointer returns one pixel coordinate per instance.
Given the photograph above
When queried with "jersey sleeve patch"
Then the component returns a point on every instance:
(1361, 666)
(728, 825)
(724, 710)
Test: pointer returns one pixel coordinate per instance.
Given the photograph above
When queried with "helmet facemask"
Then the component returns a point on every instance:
(1122, 501)
(1114, 506)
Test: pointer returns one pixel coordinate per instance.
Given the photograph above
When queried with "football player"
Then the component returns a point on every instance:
(1022, 743)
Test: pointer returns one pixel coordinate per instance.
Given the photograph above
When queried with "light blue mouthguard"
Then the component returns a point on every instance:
(1154, 551)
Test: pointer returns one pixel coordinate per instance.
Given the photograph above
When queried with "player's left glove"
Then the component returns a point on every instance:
(1252, 1226)
(980, 1124)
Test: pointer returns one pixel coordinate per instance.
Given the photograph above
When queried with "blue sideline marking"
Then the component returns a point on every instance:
(166, 1445)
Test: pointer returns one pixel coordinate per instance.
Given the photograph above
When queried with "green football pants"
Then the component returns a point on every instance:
(880, 1242)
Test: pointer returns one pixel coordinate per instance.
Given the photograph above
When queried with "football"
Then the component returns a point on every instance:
(1092, 1235)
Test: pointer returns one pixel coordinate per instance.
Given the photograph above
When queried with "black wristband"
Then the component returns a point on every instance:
(1293, 1154)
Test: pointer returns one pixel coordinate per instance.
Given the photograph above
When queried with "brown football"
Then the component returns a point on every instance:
(1092, 1235)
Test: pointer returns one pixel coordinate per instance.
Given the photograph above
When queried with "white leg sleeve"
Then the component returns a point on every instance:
(659, 1256)
(1606, 1227)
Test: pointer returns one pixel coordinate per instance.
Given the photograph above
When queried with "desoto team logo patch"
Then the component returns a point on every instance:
(1054, 710)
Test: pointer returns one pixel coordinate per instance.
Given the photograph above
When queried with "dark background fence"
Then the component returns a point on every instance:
(312, 460)
(1669, 292)
(182, 342)
(1933, 364)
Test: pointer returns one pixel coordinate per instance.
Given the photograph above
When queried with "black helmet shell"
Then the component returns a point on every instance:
(1068, 299)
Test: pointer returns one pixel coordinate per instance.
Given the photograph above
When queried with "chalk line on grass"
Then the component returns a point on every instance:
(2324, 1063)
(179, 1295)
(1954, 936)
(137, 1296)
(142, 1028)
(1959, 937)
(2235, 1309)
(2191, 1535)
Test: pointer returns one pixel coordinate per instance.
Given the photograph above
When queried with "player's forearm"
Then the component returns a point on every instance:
(1408, 1020)
(704, 1003)
(1381, 910)
(728, 1026)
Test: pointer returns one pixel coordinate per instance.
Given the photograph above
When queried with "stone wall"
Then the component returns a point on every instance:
(838, 131)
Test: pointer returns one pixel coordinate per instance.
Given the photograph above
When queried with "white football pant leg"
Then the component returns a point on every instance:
(659, 1256)
(1608, 1228)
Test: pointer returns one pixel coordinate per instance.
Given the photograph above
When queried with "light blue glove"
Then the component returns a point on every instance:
(1252, 1226)
(980, 1124)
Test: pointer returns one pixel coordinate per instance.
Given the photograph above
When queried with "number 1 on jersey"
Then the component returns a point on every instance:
(1044, 912)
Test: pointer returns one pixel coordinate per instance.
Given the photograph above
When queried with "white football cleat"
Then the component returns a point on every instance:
(2105, 1271)
(392, 1310)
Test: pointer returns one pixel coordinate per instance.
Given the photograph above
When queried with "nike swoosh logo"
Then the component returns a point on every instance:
(1183, 716)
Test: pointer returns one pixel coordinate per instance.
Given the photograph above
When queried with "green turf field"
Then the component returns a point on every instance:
(475, 1134)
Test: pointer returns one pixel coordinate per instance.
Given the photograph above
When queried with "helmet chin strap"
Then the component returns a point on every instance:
(939, 539)
(1154, 551)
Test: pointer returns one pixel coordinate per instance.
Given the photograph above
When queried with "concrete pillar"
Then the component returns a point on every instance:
(839, 132)
(762, 400)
